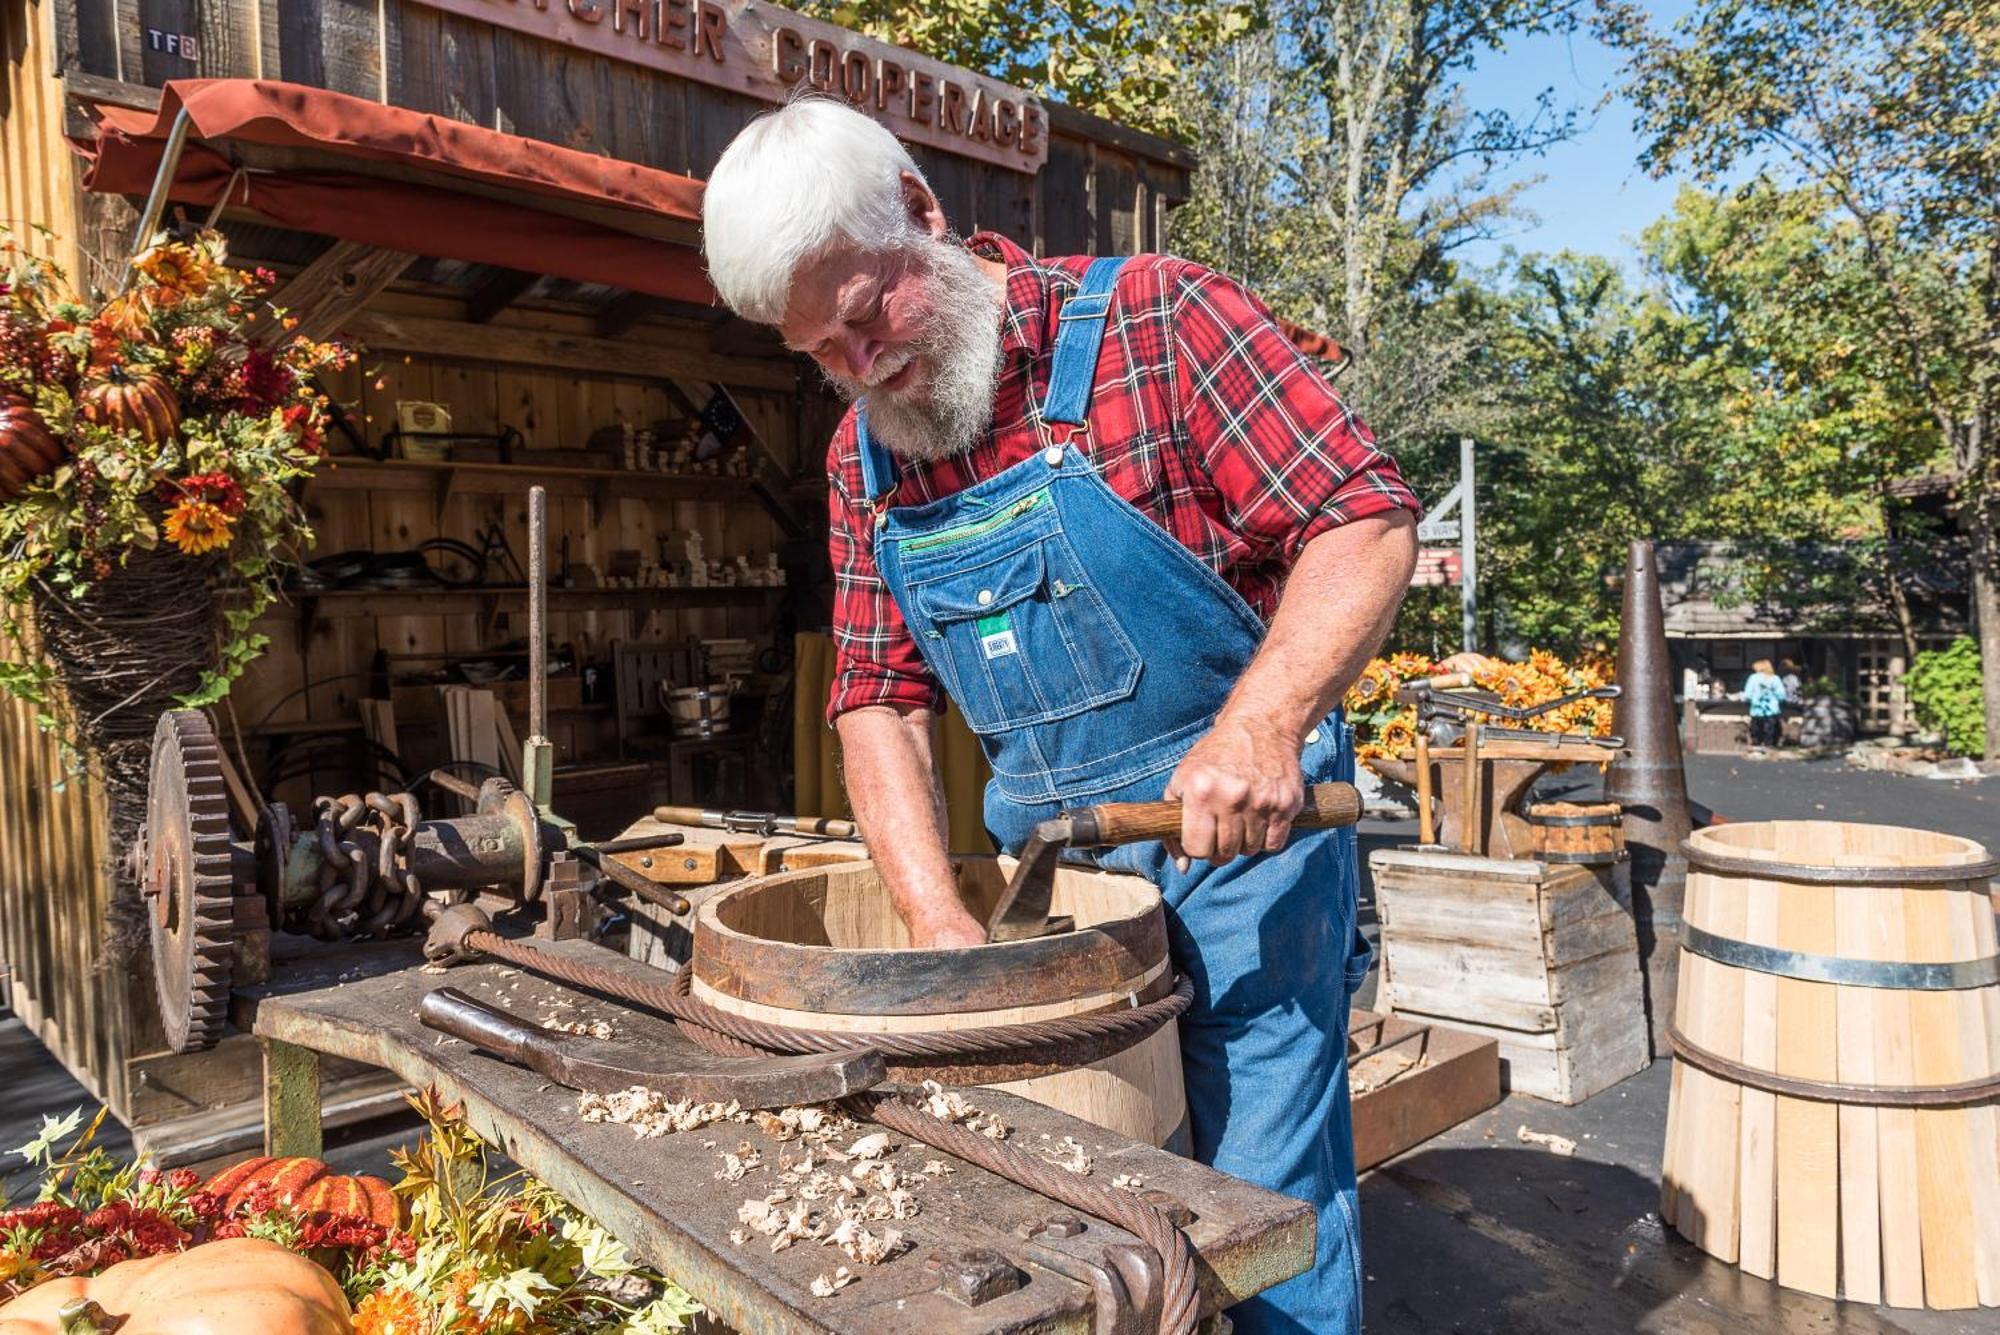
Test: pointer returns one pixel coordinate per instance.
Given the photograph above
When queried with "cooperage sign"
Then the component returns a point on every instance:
(764, 52)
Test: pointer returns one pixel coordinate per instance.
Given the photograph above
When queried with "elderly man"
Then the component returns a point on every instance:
(1108, 509)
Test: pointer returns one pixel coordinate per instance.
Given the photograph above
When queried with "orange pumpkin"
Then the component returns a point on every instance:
(28, 448)
(234, 1287)
(132, 401)
(309, 1185)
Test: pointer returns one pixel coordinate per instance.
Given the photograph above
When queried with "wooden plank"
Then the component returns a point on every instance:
(1458, 1077)
(1944, 1193)
(1757, 1248)
(1808, 1144)
(291, 1100)
(1854, 911)
(1711, 1010)
(735, 45)
(339, 282)
(522, 347)
(1903, 1227)
(1971, 924)
(446, 67)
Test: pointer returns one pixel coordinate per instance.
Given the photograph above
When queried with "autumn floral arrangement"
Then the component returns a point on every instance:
(149, 443)
(1385, 729)
(469, 1252)
(149, 446)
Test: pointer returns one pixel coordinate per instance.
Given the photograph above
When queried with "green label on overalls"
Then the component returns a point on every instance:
(996, 635)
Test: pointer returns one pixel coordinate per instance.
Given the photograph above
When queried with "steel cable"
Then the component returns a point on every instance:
(1058, 1038)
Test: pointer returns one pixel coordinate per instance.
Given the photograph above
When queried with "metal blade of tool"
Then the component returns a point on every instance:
(668, 1063)
(1023, 910)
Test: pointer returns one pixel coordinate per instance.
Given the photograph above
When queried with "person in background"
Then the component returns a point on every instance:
(1788, 673)
(1765, 694)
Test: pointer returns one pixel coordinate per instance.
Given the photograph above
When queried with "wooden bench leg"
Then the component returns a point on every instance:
(291, 1100)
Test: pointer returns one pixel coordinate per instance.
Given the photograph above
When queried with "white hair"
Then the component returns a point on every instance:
(796, 181)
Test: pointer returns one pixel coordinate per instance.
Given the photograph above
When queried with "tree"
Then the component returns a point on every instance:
(1341, 171)
(1892, 109)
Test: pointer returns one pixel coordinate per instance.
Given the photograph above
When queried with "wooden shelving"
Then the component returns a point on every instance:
(485, 600)
(600, 485)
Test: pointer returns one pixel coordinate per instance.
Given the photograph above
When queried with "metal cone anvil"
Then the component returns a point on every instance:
(1650, 783)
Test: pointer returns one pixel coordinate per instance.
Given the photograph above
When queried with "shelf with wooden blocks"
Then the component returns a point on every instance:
(447, 480)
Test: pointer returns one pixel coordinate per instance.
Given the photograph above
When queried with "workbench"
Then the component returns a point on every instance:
(988, 1255)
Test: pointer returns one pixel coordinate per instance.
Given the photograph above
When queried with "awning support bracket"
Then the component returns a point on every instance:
(156, 200)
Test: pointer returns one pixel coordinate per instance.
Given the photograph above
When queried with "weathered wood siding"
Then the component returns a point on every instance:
(37, 188)
(1103, 191)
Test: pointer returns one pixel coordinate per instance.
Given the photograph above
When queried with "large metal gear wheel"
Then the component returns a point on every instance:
(187, 881)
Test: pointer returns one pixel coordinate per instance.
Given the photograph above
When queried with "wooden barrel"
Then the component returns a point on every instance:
(1835, 1115)
(1589, 833)
(822, 948)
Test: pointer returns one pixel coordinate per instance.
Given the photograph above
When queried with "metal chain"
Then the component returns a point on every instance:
(356, 894)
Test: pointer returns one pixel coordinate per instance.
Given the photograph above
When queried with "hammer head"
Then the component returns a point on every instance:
(1023, 910)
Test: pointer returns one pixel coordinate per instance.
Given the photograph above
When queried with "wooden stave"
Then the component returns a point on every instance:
(1944, 1124)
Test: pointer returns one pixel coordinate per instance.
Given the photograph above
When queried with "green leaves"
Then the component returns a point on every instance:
(1945, 687)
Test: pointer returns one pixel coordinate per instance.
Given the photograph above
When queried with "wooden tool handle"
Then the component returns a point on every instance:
(678, 815)
(1450, 681)
(1327, 804)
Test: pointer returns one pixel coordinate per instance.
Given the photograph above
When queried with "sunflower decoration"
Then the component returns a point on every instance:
(168, 420)
(1399, 734)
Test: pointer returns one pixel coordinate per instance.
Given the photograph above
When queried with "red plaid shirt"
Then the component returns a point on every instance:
(1204, 417)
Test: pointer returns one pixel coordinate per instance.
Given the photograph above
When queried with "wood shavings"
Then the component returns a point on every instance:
(1382, 1069)
(735, 1165)
(878, 1175)
(1069, 1155)
(1555, 1144)
(739, 1236)
(1130, 1182)
(650, 1113)
(825, 1286)
(861, 1245)
(948, 1105)
(937, 1168)
(870, 1147)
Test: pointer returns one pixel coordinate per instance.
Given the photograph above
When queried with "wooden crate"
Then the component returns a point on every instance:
(1539, 958)
(1422, 1080)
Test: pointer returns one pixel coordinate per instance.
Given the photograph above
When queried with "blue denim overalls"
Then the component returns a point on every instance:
(1089, 649)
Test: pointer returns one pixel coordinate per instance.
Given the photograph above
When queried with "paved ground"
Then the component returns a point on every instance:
(1473, 1233)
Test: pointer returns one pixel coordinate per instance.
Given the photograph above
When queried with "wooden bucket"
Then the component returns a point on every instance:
(1835, 1115)
(1591, 834)
(822, 948)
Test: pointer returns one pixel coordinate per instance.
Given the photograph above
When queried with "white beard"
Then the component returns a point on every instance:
(949, 412)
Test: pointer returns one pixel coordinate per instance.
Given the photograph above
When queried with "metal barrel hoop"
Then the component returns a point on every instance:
(1945, 976)
(1963, 1094)
(1925, 876)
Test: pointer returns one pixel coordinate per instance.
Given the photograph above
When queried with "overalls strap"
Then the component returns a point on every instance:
(1079, 332)
(878, 466)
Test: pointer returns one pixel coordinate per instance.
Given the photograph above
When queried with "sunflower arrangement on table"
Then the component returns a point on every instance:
(1387, 730)
(172, 418)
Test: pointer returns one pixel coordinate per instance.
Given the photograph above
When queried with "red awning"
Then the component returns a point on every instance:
(345, 167)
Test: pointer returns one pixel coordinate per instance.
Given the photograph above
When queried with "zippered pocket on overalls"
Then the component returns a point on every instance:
(967, 532)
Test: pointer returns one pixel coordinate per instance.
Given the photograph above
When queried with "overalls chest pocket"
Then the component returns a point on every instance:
(1022, 638)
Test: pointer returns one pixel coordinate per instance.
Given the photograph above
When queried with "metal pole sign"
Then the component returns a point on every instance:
(1437, 565)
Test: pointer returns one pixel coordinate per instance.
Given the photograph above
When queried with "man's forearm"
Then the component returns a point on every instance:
(892, 782)
(1337, 608)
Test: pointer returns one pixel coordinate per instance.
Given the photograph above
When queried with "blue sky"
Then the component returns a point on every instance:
(1594, 197)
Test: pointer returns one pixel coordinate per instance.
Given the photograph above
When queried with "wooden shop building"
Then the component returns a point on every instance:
(499, 201)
